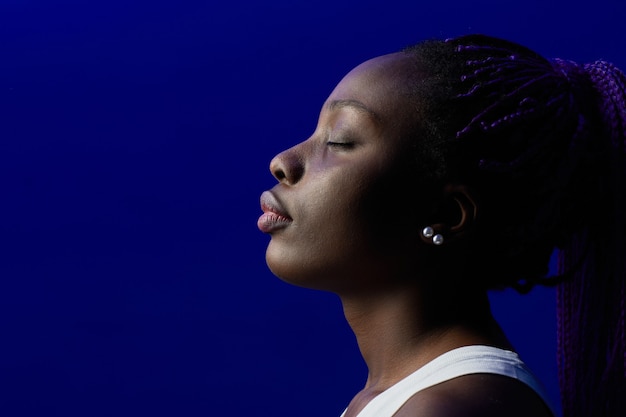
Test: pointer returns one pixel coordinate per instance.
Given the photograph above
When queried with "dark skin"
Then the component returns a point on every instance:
(342, 219)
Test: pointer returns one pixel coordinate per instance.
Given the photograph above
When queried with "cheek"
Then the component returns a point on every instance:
(389, 209)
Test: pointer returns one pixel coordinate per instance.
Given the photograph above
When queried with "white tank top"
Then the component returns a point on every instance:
(457, 362)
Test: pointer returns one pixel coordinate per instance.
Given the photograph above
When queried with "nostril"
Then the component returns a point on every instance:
(279, 174)
(277, 169)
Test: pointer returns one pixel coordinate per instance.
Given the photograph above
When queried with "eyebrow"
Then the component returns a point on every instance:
(354, 104)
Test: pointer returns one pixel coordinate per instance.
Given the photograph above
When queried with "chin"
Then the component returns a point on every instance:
(297, 273)
(280, 264)
(290, 274)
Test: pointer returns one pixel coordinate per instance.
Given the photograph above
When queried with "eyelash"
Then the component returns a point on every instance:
(346, 145)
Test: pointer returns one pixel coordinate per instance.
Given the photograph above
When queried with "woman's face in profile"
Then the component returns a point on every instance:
(344, 203)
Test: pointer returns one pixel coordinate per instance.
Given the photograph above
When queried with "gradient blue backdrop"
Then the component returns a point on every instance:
(134, 142)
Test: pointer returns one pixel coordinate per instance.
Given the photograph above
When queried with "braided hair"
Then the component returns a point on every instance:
(542, 142)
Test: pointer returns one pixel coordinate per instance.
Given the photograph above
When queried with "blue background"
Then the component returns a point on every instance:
(135, 138)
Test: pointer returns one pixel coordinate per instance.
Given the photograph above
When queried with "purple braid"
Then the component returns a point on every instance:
(591, 306)
(611, 84)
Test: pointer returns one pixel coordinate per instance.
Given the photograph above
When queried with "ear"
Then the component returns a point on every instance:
(455, 216)
(467, 206)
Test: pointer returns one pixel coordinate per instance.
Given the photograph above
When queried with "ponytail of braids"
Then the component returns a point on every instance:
(591, 303)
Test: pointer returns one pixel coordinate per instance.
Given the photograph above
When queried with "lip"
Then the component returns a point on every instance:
(274, 216)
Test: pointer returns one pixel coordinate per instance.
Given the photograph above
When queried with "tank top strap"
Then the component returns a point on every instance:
(466, 360)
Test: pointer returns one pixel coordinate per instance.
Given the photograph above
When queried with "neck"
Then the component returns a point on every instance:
(402, 329)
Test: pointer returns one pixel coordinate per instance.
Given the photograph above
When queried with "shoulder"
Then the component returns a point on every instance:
(477, 395)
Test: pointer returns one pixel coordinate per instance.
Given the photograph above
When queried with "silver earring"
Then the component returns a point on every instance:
(428, 232)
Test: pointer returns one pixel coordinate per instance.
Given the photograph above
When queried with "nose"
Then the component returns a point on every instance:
(287, 167)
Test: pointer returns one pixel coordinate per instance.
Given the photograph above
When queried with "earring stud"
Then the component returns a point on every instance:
(429, 233)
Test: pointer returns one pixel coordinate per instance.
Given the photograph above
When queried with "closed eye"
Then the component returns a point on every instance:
(345, 145)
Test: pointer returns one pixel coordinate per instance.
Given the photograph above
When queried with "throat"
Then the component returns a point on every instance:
(399, 333)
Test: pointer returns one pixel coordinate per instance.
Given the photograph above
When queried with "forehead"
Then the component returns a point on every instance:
(381, 84)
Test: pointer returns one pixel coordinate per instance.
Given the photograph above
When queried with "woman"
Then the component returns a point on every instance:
(446, 170)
